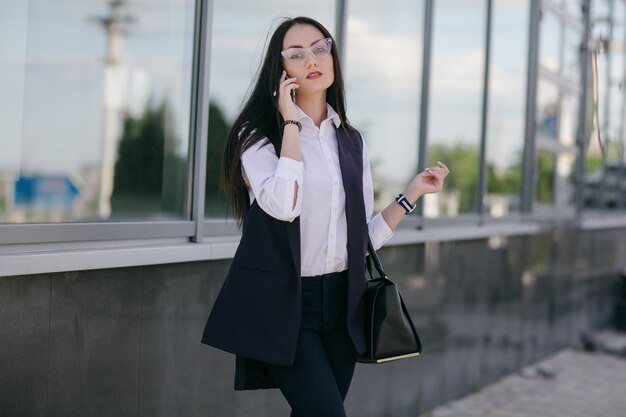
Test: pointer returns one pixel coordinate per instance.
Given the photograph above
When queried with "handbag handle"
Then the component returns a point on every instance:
(373, 257)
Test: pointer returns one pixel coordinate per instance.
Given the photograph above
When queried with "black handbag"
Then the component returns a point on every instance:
(389, 331)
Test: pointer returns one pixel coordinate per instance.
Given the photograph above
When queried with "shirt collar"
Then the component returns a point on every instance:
(330, 114)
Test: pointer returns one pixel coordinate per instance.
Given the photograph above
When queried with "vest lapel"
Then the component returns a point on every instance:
(350, 147)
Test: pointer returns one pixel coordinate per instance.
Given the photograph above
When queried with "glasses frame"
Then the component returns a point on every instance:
(308, 51)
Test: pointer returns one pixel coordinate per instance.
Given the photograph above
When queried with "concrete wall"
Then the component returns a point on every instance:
(126, 341)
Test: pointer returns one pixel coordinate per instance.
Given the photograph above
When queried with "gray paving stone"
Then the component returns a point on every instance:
(567, 384)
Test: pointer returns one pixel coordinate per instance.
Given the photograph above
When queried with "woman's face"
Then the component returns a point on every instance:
(304, 36)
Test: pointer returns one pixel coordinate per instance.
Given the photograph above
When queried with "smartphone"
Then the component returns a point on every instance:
(293, 95)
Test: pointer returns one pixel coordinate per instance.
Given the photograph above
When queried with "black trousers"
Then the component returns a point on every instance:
(318, 381)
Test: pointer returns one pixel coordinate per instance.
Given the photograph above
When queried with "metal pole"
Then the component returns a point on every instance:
(529, 160)
(583, 129)
(481, 190)
(200, 122)
(621, 191)
(602, 189)
(422, 158)
(340, 29)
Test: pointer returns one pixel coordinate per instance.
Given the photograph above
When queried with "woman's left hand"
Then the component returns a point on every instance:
(428, 181)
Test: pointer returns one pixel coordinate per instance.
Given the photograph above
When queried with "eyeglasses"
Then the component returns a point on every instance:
(320, 49)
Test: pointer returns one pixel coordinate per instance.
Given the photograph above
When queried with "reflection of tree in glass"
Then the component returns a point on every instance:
(149, 175)
(505, 181)
(215, 204)
(545, 183)
(463, 162)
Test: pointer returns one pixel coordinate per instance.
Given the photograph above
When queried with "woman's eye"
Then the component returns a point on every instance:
(296, 56)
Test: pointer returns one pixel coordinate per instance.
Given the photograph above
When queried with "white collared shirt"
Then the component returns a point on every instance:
(320, 201)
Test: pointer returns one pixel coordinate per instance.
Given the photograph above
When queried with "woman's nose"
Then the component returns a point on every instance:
(310, 60)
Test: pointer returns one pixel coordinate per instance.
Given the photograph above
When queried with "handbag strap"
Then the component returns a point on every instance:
(373, 257)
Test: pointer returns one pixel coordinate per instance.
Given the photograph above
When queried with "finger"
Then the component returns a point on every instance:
(435, 174)
(444, 166)
(287, 81)
(435, 169)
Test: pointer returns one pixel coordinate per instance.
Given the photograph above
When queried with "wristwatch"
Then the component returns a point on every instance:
(408, 207)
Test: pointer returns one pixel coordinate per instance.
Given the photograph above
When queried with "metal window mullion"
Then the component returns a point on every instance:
(606, 122)
(582, 110)
(622, 140)
(201, 115)
(340, 30)
(422, 158)
(481, 190)
(529, 160)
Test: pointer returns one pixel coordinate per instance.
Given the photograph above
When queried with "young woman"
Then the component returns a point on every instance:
(297, 176)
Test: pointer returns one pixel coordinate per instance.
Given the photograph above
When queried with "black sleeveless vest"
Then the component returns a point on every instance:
(257, 312)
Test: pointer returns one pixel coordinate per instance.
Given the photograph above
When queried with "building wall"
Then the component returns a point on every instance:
(126, 341)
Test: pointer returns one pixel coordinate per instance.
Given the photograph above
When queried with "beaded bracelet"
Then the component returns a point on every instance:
(295, 122)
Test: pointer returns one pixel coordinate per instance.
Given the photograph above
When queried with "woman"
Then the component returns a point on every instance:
(298, 178)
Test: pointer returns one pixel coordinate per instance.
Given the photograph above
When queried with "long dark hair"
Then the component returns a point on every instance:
(260, 118)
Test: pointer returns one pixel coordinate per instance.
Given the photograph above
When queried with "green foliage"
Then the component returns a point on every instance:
(462, 159)
(149, 175)
(218, 131)
(545, 184)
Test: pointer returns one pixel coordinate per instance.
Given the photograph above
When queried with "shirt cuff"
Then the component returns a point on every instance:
(379, 231)
(289, 168)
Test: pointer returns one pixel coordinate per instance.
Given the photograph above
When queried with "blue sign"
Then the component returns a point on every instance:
(44, 191)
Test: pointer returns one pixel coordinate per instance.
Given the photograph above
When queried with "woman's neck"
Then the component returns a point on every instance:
(314, 107)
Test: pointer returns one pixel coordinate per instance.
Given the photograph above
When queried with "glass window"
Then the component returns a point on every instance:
(457, 73)
(240, 29)
(550, 41)
(547, 109)
(383, 74)
(571, 55)
(507, 104)
(545, 180)
(95, 110)
(603, 184)
(573, 7)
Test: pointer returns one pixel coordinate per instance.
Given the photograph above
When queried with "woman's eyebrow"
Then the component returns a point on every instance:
(300, 46)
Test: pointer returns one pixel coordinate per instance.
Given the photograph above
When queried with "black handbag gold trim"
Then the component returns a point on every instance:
(389, 331)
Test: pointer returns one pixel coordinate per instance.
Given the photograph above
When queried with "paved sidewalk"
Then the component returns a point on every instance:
(567, 384)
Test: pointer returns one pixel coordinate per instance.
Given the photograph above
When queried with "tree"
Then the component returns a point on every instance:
(149, 174)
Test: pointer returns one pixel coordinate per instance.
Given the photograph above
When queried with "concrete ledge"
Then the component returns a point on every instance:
(80, 256)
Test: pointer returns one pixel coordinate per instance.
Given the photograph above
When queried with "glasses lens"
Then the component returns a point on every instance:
(319, 49)
(296, 54)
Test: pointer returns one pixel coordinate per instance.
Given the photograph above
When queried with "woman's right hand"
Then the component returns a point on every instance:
(286, 106)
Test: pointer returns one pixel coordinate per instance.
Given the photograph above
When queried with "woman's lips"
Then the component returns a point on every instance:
(314, 75)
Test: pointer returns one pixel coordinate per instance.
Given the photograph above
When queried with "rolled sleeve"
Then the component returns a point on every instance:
(379, 231)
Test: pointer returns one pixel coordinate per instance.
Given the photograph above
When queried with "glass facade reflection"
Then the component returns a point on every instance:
(95, 110)
(604, 185)
(557, 108)
(96, 103)
(455, 103)
(383, 61)
(507, 94)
